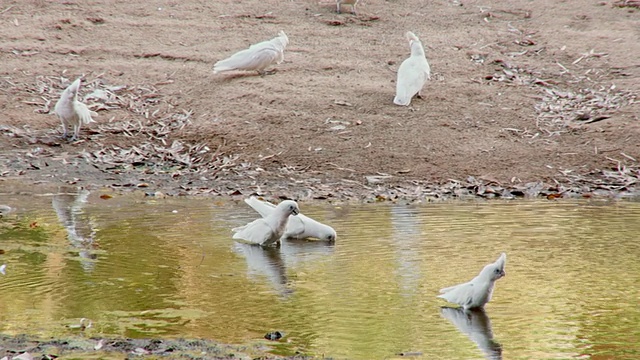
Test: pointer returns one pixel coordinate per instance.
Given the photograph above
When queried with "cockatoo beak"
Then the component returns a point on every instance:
(295, 212)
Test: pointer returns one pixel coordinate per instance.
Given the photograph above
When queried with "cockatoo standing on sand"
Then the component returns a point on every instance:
(72, 112)
(268, 230)
(413, 73)
(298, 226)
(477, 292)
(353, 4)
(257, 57)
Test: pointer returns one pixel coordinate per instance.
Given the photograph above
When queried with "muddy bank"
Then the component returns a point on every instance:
(25, 347)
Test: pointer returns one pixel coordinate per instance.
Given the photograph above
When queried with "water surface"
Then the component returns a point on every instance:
(144, 267)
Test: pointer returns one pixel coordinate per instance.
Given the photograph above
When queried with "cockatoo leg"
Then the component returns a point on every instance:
(76, 133)
(353, 9)
(65, 131)
(338, 6)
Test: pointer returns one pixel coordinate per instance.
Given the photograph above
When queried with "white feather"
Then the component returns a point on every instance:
(299, 226)
(268, 230)
(477, 292)
(72, 112)
(257, 57)
(413, 73)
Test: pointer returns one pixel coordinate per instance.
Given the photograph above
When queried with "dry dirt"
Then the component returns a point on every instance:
(526, 98)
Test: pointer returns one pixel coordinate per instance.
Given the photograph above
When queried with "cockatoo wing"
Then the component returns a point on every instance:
(257, 57)
(264, 208)
(459, 294)
(256, 232)
(83, 112)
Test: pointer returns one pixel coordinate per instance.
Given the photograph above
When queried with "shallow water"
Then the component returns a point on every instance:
(144, 267)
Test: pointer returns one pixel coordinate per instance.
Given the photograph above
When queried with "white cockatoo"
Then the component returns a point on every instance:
(72, 112)
(353, 4)
(299, 226)
(413, 73)
(268, 230)
(257, 57)
(477, 326)
(477, 292)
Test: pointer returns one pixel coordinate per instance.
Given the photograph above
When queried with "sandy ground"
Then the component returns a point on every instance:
(536, 98)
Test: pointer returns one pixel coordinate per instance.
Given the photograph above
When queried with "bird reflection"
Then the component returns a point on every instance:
(265, 261)
(68, 204)
(477, 326)
(273, 263)
(407, 240)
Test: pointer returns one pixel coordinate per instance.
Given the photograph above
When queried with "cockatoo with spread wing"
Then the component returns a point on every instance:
(353, 4)
(299, 226)
(72, 112)
(413, 73)
(257, 57)
(477, 292)
(268, 230)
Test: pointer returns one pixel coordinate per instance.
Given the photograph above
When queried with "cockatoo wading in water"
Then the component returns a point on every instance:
(72, 112)
(413, 73)
(477, 292)
(257, 57)
(298, 226)
(268, 230)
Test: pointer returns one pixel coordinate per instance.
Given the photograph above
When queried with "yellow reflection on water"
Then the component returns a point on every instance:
(144, 267)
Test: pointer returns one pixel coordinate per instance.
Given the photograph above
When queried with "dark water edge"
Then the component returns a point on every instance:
(121, 348)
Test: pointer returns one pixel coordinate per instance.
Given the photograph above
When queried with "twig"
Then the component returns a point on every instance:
(628, 157)
(7, 9)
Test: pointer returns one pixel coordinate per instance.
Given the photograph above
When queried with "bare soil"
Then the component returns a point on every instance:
(526, 98)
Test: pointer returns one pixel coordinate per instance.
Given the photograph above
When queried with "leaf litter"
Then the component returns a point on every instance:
(151, 127)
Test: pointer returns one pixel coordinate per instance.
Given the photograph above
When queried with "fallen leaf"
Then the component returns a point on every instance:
(33, 225)
(105, 196)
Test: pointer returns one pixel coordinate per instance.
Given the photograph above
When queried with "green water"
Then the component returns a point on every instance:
(144, 267)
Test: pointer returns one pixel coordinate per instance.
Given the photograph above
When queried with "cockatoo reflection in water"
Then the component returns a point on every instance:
(72, 112)
(413, 73)
(477, 326)
(477, 292)
(353, 4)
(299, 226)
(267, 231)
(257, 57)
